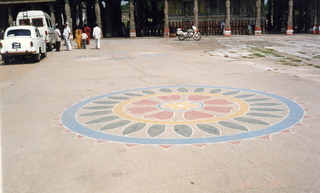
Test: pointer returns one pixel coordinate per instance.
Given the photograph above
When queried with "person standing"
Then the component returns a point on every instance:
(223, 26)
(87, 30)
(78, 38)
(84, 37)
(66, 35)
(57, 35)
(97, 34)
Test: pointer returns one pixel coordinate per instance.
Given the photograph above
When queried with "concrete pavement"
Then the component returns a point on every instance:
(225, 114)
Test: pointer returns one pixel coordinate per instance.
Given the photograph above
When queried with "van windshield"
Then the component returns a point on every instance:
(19, 32)
(38, 22)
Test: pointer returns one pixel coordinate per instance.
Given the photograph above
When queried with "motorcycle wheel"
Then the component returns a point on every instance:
(197, 36)
(181, 37)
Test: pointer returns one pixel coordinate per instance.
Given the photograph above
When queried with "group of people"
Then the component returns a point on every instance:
(82, 37)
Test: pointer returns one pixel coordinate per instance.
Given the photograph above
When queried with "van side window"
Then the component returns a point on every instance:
(24, 22)
(38, 22)
(49, 22)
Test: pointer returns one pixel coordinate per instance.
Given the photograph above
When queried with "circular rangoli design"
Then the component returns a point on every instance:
(175, 115)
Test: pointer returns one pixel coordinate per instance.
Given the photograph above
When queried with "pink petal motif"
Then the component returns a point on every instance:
(141, 110)
(161, 115)
(219, 109)
(197, 97)
(218, 102)
(145, 102)
(170, 97)
(192, 115)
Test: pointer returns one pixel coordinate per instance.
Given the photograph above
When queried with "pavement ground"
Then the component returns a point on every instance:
(225, 114)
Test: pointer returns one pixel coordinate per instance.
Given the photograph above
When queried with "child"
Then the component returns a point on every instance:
(84, 39)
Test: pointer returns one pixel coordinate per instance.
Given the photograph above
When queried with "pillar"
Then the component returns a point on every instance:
(257, 29)
(290, 19)
(53, 18)
(133, 32)
(316, 27)
(318, 14)
(196, 18)
(10, 18)
(166, 19)
(68, 14)
(97, 12)
(227, 31)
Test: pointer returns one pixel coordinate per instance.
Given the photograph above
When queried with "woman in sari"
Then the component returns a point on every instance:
(87, 30)
(78, 38)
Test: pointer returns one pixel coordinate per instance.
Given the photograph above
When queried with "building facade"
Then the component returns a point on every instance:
(161, 18)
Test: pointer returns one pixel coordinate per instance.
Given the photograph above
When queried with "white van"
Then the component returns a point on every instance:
(42, 21)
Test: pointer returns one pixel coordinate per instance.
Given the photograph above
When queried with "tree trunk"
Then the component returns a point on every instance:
(290, 18)
(10, 19)
(68, 14)
(166, 19)
(196, 18)
(257, 30)
(53, 18)
(132, 22)
(227, 31)
(97, 11)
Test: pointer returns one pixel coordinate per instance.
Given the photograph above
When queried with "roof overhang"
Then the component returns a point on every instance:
(7, 2)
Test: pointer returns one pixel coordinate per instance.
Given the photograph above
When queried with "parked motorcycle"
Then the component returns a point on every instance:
(191, 33)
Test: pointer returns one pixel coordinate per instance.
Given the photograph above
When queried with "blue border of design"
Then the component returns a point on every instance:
(295, 115)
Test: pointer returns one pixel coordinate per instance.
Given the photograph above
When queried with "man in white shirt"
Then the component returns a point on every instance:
(57, 35)
(97, 34)
(66, 35)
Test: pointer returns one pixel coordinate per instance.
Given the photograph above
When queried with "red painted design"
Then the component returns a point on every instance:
(192, 115)
(165, 146)
(199, 145)
(268, 137)
(161, 115)
(145, 102)
(141, 110)
(170, 97)
(235, 142)
(197, 97)
(218, 102)
(219, 109)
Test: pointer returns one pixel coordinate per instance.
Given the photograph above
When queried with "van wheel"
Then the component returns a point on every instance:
(5, 59)
(37, 57)
(43, 55)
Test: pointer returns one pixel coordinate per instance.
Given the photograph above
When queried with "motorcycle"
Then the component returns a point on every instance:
(191, 33)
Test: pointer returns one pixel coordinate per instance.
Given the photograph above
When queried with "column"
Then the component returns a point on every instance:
(257, 29)
(316, 27)
(166, 19)
(290, 18)
(133, 33)
(68, 14)
(10, 18)
(227, 31)
(53, 18)
(98, 14)
(196, 19)
(318, 14)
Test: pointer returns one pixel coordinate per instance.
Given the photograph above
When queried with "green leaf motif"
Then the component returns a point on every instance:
(233, 125)
(103, 119)
(209, 129)
(115, 125)
(156, 130)
(251, 121)
(133, 128)
(183, 130)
